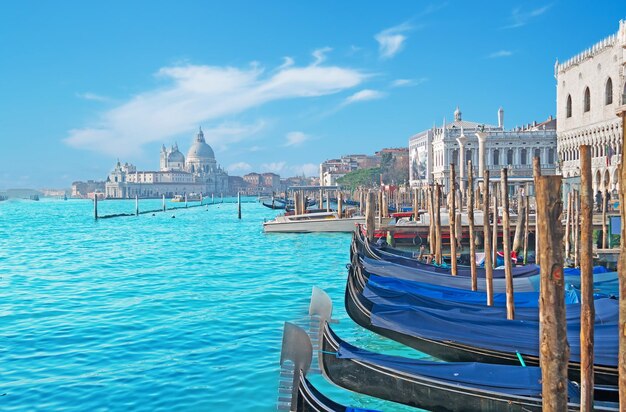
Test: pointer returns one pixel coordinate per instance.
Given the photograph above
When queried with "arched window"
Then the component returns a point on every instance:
(455, 156)
(523, 157)
(468, 155)
(509, 157)
(538, 154)
(587, 100)
(608, 92)
(569, 106)
(551, 156)
(496, 157)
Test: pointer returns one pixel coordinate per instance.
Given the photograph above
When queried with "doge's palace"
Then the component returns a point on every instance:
(590, 86)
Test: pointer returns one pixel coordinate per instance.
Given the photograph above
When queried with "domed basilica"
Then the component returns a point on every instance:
(197, 173)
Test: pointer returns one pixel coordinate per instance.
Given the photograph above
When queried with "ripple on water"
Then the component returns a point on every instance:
(153, 313)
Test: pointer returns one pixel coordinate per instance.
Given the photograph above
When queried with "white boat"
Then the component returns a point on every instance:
(313, 222)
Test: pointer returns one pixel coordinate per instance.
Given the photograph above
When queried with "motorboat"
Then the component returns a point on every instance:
(313, 222)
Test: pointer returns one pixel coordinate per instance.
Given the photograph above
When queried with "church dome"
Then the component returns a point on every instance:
(176, 157)
(200, 149)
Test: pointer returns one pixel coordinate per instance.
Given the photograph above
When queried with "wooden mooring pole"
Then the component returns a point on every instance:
(370, 209)
(604, 225)
(621, 265)
(487, 240)
(136, 205)
(340, 205)
(164, 207)
(568, 224)
(536, 175)
(494, 232)
(526, 226)
(506, 243)
(553, 345)
(452, 220)
(518, 238)
(239, 205)
(432, 238)
(470, 218)
(95, 206)
(576, 228)
(438, 250)
(587, 309)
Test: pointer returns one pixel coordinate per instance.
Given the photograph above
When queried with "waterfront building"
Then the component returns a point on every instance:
(590, 86)
(262, 182)
(333, 169)
(271, 181)
(86, 189)
(489, 147)
(197, 173)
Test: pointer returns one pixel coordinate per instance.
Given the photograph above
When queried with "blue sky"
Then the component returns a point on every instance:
(277, 86)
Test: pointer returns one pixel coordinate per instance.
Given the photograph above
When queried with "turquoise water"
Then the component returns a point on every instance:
(157, 313)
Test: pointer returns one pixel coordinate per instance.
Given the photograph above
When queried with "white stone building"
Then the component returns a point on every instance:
(590, 86)
(489, 147)
(198, 173)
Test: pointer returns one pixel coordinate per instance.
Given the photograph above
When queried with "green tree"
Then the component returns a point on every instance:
(361, 178)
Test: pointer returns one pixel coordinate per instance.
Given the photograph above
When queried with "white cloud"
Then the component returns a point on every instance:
(500, 53)
(307, 169)
(295, 138)
(93, 96)
(193, 95)
(364, 95)
(239, 167)
(287, 62)
(520, 18)
(320, 55)
(275, 167)
(408, 82)
(228, 133)
(391, 40)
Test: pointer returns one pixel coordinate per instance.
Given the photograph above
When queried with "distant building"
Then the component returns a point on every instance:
(271, 181)
(252, 179)
(590, 86)
(489, 147)
(236, 184)
(84, 189)
(197, 173)
(333, 169)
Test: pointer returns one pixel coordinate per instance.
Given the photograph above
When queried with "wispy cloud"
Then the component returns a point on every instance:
(320, 55)
(274, 167)
(307, 169)
(285, 170)
(195, 94)
(228, 133)
(93, 96)
(408, 82)
(363, 95)
(520, 18)
(391, 40)
(295, 138)
(241, 167)
(500, 53)
(287, 62)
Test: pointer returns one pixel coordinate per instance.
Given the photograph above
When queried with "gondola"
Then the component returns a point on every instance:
(389, 292)
(302, 395)
(274, 205)
(437, 386)
(606, 283)
(392, 255)
(457, 338)
(404, 258)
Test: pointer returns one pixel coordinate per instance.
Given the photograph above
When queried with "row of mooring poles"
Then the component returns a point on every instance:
(621, 264)
(163, 207)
